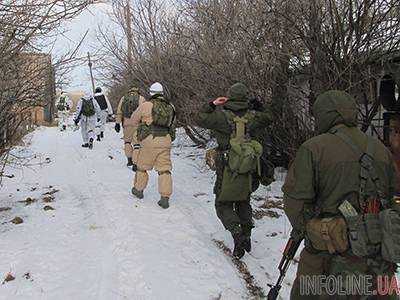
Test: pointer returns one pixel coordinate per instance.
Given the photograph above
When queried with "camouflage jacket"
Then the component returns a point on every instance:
(326, 170)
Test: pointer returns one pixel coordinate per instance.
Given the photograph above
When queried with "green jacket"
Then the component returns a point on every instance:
(326, 171)
(215, 119)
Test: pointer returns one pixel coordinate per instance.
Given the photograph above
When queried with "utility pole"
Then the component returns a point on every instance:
(129, 34)
(91, 71)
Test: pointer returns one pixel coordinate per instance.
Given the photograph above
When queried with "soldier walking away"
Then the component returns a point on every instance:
(338, 196)
(127, 105)
(105, 111)
(63, 106)
(87, 115)
(155, 120)
(237, 157)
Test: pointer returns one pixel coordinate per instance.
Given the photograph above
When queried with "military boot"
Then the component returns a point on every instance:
(137, 194)
(102, 134)
(164, 202)
(130, 162)
(134, 167)
(98, 138)
(85, 145)
(247, 237)
(238, 250)
(64, 127)
(90, 143)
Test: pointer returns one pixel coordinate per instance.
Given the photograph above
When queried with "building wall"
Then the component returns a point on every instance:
(38, 74)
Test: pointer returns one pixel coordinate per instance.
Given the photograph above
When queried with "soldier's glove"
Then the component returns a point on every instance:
(117, 127)
(76, 122)
(256, 104)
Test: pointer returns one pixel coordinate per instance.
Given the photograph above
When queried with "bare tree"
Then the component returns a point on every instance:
(26, 74)
(287, 52)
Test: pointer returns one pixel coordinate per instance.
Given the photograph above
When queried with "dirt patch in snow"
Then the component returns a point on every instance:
(270, 203)
(258, 214)
(199, 195)
(48, 199)
(9, 277)
(255, 291)
(52, 192)
(28, 201)
(17, 220)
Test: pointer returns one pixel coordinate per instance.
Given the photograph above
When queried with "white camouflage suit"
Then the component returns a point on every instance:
(65, 104)
(87, 124)
(103, 113)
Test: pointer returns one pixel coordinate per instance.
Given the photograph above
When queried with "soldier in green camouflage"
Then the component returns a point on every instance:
(328, 171)
(233, 209)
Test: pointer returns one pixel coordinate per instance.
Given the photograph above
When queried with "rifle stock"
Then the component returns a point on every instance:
(288, 254)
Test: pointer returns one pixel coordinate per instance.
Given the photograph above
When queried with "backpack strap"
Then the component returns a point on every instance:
(174, 114)
(238, 125)
(367, 170)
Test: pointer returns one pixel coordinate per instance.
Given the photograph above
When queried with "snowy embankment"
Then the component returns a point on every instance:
(84, 236)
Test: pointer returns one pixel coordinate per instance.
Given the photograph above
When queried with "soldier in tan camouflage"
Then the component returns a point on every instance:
(127, 105)
(155, 134)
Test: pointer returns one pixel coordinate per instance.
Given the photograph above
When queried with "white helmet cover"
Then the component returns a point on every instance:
(156, 88)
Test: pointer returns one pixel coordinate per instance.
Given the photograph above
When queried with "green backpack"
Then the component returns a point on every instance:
(243, 160)
(62, 104)
(88, 109)
(130, 104)
(163, 113)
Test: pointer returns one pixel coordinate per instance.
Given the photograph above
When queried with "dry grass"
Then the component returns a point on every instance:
(255, 291)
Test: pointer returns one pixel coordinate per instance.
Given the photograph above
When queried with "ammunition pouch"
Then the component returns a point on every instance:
(328, 234)
(390, 226)
(143, 131)
(375, 234)
(365, 235)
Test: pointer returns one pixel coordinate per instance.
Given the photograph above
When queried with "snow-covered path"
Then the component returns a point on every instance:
(101, 243)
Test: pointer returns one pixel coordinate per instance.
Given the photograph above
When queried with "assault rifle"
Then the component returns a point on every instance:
(287, 257)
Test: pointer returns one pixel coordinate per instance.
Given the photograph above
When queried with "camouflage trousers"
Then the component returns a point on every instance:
(131, 144)
(235, 216)
(324, 276)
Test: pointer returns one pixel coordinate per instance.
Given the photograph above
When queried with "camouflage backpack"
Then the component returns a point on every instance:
(62, 104)
(129, 104)
(88, 109)
(243, 159)
(163, 112)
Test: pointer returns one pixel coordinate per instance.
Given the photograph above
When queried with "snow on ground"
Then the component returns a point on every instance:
(101, 243)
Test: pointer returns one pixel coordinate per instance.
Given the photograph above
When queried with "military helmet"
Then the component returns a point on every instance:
(156, 88)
